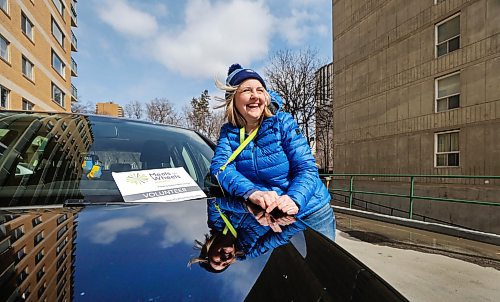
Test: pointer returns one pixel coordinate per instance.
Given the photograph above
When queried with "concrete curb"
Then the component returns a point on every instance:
(427, 226)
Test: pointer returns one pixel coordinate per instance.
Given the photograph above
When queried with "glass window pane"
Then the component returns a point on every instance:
(56, 31)
(4, 97)
(3, 4)
(449, 29)
(4, 48)
(454, 101)
(453, 159)
(441, 160)
(57, 64)
(454, 44)
(59, 6)
(449, 85)
(442, 49)
(441, 143)
(442, 105)
(453, 141)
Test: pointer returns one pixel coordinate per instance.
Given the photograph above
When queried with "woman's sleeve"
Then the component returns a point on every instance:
(230, 179)
(302, 163)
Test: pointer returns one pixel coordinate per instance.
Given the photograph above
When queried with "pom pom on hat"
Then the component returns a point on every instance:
(233, 68)
(237, 74)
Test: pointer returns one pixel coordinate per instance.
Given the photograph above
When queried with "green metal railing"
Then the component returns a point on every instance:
(411, 195)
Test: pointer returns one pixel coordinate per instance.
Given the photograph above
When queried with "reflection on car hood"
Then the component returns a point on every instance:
(140, 253)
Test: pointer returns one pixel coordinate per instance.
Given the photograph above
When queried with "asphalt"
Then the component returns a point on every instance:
(423, 265)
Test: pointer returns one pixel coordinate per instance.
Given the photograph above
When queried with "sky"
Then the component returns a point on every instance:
(138, 50)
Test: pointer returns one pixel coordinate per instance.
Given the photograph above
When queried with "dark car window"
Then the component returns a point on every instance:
(49, 158)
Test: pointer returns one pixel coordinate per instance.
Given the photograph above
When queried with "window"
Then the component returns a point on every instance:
(41, 290)
(4, 97)
(57, 33)
(27, 67)
(27, 105)
(438, 1)
(17, 233)
(448, 92)
(60, 7)
(22, 276)
(448, 36)
(4, 48)
(4, 5)
(20, 254)
(36, 221)
(63, 217)
(27, 26)
(447, 149)
(39, 256)
(57, 64)
(38, 238)
(40, 274)
(57, 95)
(62, 231)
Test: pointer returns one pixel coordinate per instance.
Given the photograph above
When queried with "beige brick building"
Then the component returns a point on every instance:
(417, 90)
(36, 43)
(109, 108)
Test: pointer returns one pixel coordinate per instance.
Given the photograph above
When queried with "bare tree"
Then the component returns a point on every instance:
(134, 110)
(216, 120)
(82, 107)
(292, 75)
(161, 111)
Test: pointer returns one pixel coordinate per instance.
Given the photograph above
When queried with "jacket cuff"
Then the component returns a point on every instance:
(248, 193)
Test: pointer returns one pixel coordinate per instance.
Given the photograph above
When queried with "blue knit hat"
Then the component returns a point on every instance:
(237, 74)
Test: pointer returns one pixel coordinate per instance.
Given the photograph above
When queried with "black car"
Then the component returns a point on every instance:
(67, 234)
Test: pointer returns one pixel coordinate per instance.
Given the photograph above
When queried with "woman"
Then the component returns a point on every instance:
(276, 168)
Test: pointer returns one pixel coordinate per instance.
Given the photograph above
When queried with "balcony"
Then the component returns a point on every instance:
(74, 42)
(74, 93)
(73, 14)
(74, 68)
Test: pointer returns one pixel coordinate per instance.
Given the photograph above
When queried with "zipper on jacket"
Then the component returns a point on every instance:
(254, 155)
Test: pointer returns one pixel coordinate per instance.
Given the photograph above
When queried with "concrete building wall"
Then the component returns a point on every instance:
(38, 50)
(385, 73)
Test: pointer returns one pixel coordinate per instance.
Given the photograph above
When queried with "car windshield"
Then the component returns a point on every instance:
(53, 158)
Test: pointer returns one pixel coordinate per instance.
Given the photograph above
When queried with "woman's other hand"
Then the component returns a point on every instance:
(287, 205)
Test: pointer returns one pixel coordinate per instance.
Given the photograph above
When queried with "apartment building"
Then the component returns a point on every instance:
(36, 44)
(417, 92)
(109, 108)
(38, 254)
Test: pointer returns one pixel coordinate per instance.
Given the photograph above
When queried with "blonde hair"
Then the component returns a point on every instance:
(232, 115)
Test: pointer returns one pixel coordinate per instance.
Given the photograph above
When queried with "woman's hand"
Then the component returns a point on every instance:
(287, 205)
(267, 200)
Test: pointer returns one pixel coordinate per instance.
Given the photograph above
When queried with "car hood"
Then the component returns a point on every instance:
(140, 252)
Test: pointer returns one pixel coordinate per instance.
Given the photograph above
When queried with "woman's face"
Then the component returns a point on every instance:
(250, 100)
(222, 257)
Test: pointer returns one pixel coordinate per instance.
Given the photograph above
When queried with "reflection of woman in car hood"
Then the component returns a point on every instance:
(251, 239)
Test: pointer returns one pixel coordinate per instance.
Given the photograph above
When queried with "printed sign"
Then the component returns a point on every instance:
(157, 185)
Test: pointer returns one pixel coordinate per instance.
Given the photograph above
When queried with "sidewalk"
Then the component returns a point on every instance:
(422, 265)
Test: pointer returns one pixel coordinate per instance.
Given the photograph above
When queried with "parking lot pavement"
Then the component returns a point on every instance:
(422, 265)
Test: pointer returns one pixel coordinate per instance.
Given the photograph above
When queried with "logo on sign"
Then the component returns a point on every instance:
(137, 178)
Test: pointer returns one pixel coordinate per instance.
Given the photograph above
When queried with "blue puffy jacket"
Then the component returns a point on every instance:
(278, 159)
(253, 238)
